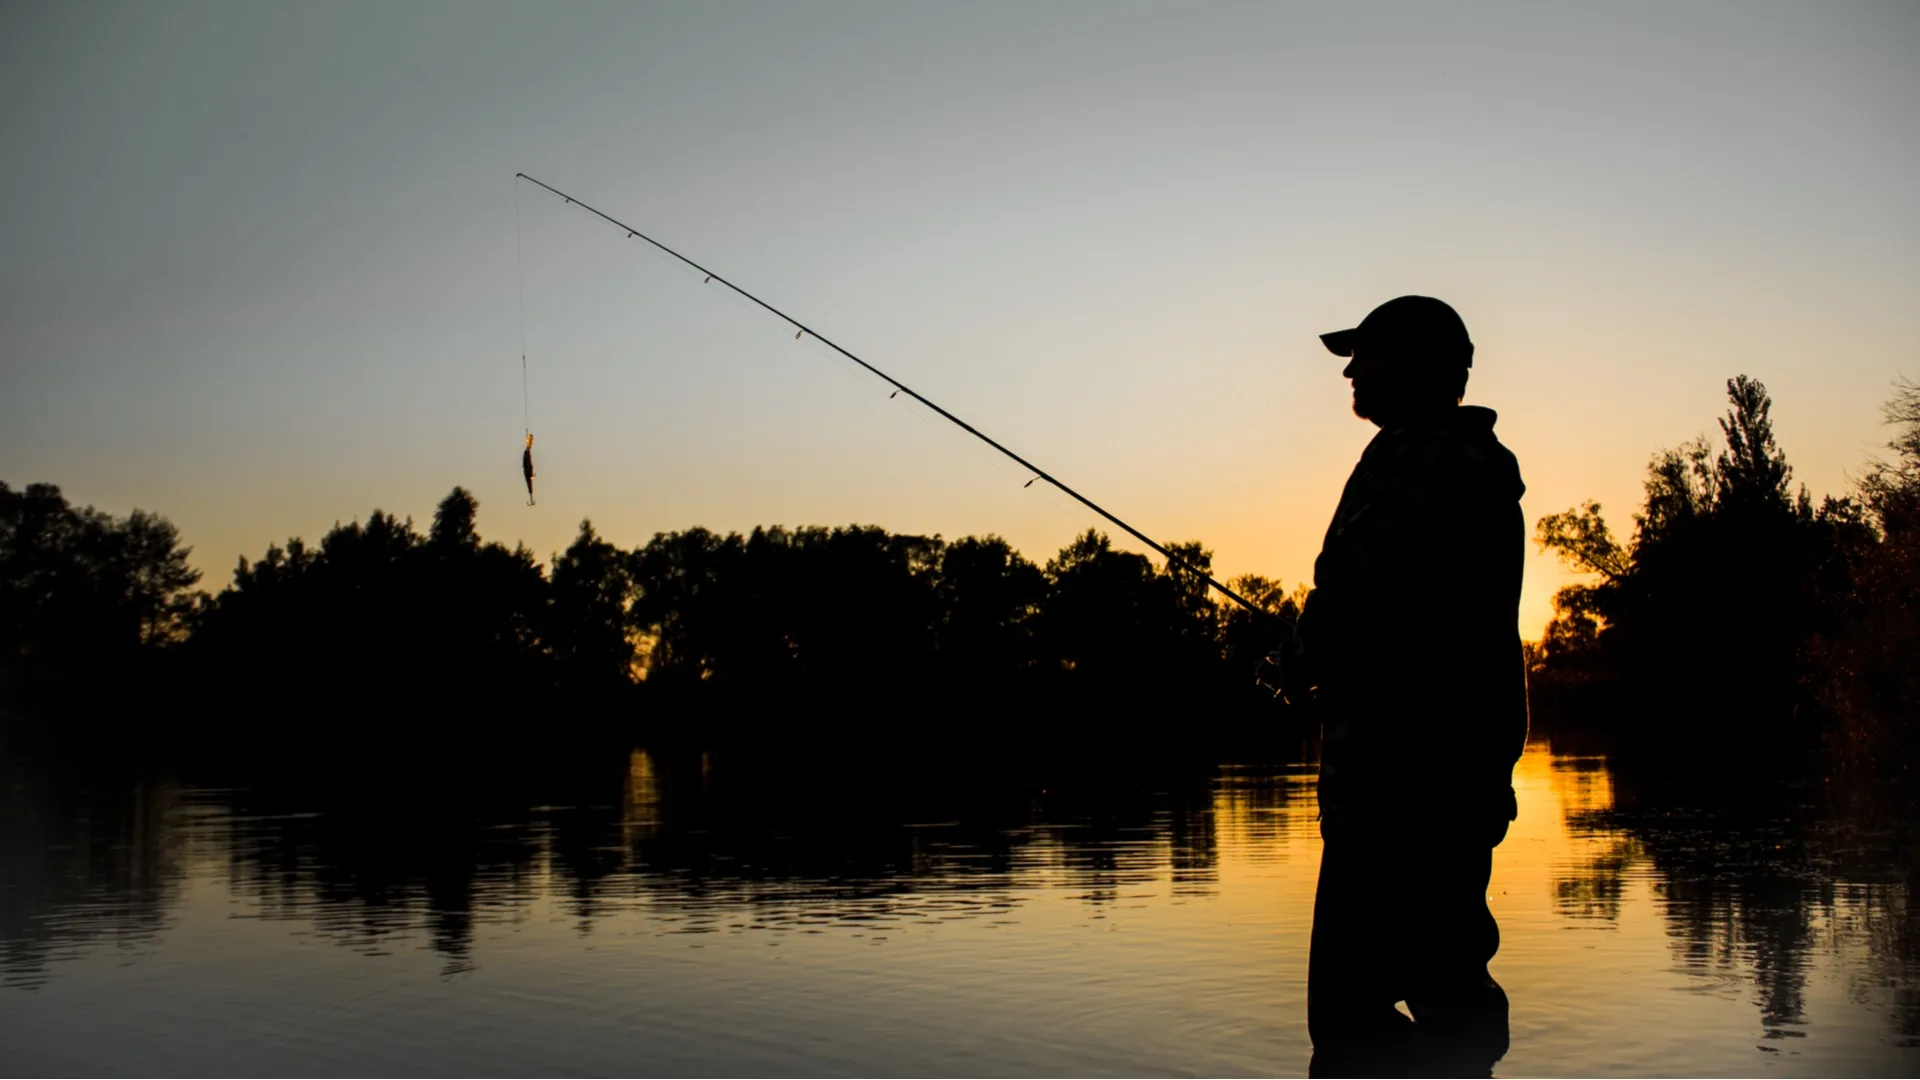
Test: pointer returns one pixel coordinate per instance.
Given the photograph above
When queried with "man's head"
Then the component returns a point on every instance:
(1409, 356)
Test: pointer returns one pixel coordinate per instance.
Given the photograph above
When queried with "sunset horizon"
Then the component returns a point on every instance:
(298, 305)
(844, 538)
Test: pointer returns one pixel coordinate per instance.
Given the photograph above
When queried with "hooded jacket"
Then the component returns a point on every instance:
(1410, 636)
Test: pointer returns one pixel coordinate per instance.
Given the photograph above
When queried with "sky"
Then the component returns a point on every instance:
(265, 267)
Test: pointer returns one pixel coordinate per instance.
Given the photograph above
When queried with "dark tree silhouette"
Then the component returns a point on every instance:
(1697, 626)
(378, 613)
(83, 593)
(988, 597)
(681, 606)
(794, 632)
(1864, 668)
(1751, 474)
(453, 522)
(588, 624)
(1737, 611)
(1124, 630)
(1246, 638)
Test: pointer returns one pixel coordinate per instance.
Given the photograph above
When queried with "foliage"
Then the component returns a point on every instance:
(989, 598)
(1708, 612)
(1865, 670)
(377, 618)
(377, 609)
(588, 623)
(1246, 638)
(82, 592)
(865, 615)
(1737, 607)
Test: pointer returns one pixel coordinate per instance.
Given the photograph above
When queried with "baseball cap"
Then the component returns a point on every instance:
(1419, 322)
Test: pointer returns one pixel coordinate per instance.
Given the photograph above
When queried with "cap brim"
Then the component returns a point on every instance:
(1341, 342)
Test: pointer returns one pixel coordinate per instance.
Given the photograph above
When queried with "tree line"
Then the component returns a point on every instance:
(83, 592)
(1739, 614)
(1738, 610)
(857, 618)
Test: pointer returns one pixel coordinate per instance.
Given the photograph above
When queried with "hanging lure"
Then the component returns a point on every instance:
(526, 467)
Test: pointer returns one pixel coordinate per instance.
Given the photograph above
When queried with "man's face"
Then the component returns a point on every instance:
(1373, 373)
(1394, 383)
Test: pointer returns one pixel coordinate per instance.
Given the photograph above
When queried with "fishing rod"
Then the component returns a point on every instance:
(903, 388)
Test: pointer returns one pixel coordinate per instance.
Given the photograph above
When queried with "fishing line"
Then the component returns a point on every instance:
(520, 282)
(801, 331)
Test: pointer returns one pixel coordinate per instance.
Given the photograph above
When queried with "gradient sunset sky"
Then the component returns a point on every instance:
(258, 261)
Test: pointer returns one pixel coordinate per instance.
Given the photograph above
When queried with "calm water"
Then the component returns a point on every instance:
(681, 916)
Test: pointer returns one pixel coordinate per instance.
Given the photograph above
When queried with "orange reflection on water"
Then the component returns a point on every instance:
(671, 912)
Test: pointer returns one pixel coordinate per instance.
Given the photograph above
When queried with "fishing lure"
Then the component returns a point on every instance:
(526, 467)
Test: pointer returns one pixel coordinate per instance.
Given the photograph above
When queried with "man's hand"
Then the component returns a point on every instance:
(1267, 673)
(1285, 672)
(1295, 670)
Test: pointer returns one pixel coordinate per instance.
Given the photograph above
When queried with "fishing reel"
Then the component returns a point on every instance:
(1266, 674)
(1284, 673)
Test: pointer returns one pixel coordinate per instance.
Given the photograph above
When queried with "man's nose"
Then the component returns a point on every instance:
(1347, 372)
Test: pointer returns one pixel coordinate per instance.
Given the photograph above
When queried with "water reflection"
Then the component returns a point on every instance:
(1592, 887)
(1143, 920)
(369, 865)
(1757, 881)
(82, 864)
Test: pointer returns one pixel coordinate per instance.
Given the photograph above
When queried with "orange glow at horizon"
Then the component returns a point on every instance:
(1107, 238)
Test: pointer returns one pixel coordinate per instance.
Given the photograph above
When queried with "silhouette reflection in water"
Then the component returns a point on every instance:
(706, 841)
(132, 904)
(84, 860)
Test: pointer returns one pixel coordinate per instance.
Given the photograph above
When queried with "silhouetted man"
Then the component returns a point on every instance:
(1409, 650)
